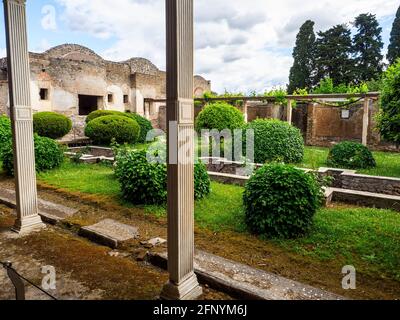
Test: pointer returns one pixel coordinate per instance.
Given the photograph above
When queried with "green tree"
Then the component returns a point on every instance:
(301, 72)
(389, 117)
(367, 46)
(333, 55)
(394, 46)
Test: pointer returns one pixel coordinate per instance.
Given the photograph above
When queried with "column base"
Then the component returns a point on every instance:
(187, 290)
(28, 224)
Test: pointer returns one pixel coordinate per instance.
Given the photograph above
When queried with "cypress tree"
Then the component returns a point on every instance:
(303, 54)
(394, 46)
(367, 45)
(333, 55)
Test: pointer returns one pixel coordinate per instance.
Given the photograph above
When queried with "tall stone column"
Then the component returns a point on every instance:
(365, 127)
(21, 116)
(289, 111)
(183, 282)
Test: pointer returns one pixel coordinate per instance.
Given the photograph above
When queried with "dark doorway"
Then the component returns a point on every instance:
(88, 104)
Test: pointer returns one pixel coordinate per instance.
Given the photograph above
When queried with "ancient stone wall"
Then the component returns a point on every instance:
(63, 74)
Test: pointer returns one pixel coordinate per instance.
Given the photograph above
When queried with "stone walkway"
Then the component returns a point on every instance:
(67, 288)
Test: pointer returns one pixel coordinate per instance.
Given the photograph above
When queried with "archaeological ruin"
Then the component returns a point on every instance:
(73, 80)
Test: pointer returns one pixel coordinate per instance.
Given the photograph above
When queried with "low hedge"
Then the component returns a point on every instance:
(48, 155)
(104, 130)
(51, 125)
(351, 155)
(281, 200)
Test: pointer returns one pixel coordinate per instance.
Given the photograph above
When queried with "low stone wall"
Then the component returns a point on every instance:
(343, 179)
(347, 179)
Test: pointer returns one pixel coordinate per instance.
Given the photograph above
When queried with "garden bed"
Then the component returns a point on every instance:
(341, 235)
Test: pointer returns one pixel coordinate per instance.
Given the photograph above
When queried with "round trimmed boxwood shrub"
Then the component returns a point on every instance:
(219, 116)
(145, 125)
(276, 140)
(144, 182)
(280, 201)
(102, 113)
(51, 125)
(350, 155)
(48, 155)
(104, 130)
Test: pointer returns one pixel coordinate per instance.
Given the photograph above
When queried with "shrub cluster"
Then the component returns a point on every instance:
(5, 132)
(144, 182)
(281, 200)
(103, 130)
(5, 129)
(219, 116)
(350, 155)
(275, 140)
(145, 125)
(51, 125)
(48, 155)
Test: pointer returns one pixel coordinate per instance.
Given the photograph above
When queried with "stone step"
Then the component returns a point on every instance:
(245, 282)
(110, 233)
(50, 212)
(363, 198)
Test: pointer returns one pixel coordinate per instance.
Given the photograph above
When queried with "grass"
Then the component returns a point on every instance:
(366, 237)
(388, 163)
(87, 178)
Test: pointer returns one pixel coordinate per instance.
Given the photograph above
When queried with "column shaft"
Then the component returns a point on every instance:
(183, 282)
(21, 116)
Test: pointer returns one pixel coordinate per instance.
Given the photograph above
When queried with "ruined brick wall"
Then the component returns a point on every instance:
(265, 111)
(326, 127)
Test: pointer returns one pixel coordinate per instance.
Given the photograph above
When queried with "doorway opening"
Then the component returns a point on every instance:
(88, 104)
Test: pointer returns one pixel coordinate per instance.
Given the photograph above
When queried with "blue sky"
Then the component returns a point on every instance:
(240, 45)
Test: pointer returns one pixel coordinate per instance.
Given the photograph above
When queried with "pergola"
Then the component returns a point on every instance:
(183, 282)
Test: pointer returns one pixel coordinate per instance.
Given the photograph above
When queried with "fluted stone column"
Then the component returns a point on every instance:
(365, 126)
(183, 282)
(21, 116)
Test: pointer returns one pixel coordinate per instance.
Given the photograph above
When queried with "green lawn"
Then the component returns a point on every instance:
(367, 236)
(388, 164)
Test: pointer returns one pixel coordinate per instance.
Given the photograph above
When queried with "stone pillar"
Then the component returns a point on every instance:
(147, 106)
(245, 107)
(365, 127)
(289, 112)
(21, 116)
(183, 282)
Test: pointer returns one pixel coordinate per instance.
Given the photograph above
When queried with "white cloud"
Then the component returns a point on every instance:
(240, 45)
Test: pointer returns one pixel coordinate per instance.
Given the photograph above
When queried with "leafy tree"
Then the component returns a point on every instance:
(367, 46)
(333, 55)
(394, 46)
(389, 117)
(303, 54)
